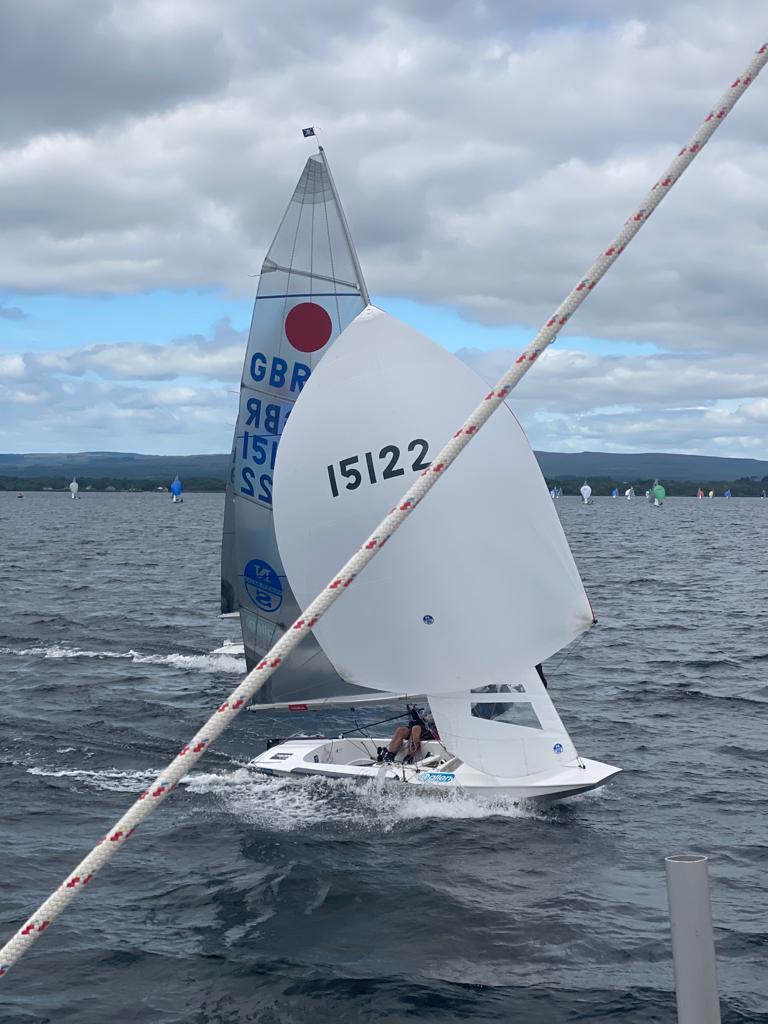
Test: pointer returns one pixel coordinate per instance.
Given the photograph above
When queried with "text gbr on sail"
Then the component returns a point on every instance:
(275, 372)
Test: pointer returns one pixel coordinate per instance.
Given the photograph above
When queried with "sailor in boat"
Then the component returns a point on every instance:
(421, 726)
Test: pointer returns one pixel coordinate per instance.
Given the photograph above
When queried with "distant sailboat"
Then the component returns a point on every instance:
(586, 493)
(711, 494)
(615, 492)
(176, 490)
(659, 494)
(726, 494)
(700, 493)
(74, 487)
(629, 493)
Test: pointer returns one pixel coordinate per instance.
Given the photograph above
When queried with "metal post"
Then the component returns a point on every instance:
(693, 947)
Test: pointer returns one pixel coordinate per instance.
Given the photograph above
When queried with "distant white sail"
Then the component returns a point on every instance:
(479, 585)
(586, 492)
(310, 288)
(74, 487)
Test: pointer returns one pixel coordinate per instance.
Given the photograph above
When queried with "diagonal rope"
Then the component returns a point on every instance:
(168, 779)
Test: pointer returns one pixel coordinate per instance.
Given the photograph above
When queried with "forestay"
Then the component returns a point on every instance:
(309, 289)
(479, 584)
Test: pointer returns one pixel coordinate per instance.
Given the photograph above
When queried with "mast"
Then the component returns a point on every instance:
(345, 228)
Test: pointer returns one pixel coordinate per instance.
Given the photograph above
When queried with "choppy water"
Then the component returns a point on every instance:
(266, 901)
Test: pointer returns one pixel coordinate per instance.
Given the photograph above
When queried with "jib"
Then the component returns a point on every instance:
(276, 372)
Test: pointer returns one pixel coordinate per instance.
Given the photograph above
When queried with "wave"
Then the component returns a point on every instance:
(106, 778)
(228, 664)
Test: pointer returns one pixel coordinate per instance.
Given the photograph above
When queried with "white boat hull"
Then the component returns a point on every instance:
(351, 758)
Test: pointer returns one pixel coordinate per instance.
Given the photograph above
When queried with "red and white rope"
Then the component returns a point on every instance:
(168, 779)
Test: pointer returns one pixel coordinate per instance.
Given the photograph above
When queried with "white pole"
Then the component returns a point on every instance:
(693, 946)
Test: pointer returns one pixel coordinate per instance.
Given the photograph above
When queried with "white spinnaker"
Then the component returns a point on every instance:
(586, 492)
(74, 487)
(479, 585)
(511, 732)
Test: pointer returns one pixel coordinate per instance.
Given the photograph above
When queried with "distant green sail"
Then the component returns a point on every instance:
(659, 493)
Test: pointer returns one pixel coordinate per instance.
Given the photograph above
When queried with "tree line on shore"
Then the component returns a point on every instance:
(746, 487)
(104, 483)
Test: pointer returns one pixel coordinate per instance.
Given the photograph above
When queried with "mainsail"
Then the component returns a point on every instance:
(310, 288)
(479, 585)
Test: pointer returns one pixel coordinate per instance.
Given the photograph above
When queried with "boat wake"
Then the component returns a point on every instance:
(287, 805)
(220, 663)
(107, 778)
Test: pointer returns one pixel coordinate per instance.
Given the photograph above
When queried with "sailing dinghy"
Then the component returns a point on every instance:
(586, 493)
(474, 591)
(74, 487)
(176, 490)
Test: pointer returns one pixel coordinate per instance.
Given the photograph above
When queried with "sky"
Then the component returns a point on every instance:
(485, 153)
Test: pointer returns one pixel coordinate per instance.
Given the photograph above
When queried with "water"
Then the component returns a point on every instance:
(252, 900)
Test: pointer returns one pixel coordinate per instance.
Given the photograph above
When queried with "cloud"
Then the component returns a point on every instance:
(182, 397)
(154, 398)
(575, 401)
(12, 313)
(485, 152)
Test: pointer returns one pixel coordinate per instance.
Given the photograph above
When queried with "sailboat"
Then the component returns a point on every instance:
(176, 490)
(456, 611)
(629, 493)
(614, 492)
(358, 434)
(700, 493)
(727, 493)
(586, 493)
(659, 494)
(74, 487)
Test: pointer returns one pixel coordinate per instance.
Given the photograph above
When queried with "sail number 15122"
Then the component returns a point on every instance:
(373, 468)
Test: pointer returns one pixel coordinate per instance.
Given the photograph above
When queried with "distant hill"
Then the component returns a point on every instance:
(694, 468)
(128, 465)
(208, 472)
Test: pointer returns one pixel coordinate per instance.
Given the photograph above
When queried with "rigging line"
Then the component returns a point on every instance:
(312, 248)
(307, 295)
(333, 268)
(371, 725)
(269, 266)
(347, 234)
(568, 651)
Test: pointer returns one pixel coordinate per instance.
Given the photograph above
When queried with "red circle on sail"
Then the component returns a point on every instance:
(308, 327)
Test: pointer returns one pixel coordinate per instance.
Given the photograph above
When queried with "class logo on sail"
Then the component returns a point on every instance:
(263, 585)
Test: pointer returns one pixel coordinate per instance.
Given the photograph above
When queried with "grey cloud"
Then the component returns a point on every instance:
(77, 66)
(12, 313)
(485, 153)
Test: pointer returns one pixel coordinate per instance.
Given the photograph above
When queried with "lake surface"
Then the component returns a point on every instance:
(247, 899)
